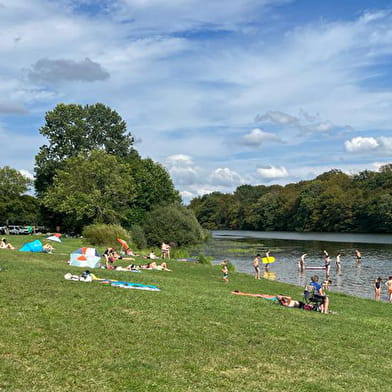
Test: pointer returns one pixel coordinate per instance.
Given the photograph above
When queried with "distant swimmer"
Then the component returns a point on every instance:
(327, 263)
(266, 265)
(358, 256)
(338, 264)
(301, 264)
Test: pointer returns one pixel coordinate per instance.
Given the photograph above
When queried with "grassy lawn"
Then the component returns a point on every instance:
(193, 335)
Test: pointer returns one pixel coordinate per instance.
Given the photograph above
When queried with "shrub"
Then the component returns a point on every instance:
(105, 235)
(173, 223)
(202, 259)
(138, 237)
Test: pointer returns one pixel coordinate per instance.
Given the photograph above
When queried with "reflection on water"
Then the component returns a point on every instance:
(241, 247)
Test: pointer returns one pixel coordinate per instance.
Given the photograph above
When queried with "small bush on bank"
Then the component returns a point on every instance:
(105, 235)
(202, 259)
(173, 223)
(138, 237)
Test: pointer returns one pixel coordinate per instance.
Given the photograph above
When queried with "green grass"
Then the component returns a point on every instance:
(193, 335)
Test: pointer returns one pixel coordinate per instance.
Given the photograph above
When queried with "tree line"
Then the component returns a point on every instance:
(89, 172)
(332, 202)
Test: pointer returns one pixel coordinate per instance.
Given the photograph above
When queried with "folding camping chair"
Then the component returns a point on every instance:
(311, 298)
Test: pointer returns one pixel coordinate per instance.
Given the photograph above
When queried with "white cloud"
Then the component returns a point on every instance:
(26, 174)
(361, 144)
(257, 136)
(182, 169)
(272, 172)
(179, 159)
(225, 177)
(385, 143)
(186, 194)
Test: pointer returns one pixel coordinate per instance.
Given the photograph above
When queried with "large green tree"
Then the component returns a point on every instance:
(73, 129)
(93, 187)
(15, 205)
(153, 187)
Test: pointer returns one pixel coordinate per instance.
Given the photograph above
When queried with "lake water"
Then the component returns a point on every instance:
(240, 247)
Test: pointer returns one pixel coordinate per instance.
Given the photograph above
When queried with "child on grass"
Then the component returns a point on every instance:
(225, 272)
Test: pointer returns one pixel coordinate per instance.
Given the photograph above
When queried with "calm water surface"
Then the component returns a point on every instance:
(240, 248)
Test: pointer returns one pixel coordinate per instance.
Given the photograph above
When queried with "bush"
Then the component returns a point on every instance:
(202, 259)
(173, 223)
(138, 237)
(105, 235)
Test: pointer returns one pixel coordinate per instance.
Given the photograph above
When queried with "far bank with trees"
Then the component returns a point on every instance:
(332, 202)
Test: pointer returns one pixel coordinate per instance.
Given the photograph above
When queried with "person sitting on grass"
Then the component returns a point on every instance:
(47, 248)
(319, 295)
(164, 267)
(6, 245)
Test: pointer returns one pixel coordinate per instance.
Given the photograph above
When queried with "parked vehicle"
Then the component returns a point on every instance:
(12, 229)
(23, 230)
(2, 229)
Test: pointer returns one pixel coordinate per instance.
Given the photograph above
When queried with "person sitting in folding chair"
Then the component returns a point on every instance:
(314, 294)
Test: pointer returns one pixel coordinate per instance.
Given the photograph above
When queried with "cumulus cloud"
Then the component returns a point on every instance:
(257, 136)
(47, 70)
(381, 144)
(179, 160)
(182, 169)
(225, 177)
(272, 172)
(361, 144)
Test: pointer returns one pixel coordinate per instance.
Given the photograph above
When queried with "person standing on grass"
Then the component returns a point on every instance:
(225, 272)
(388, 283)
(377, 289)
(256, 266)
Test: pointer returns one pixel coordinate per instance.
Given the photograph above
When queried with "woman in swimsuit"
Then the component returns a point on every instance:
(377, 289)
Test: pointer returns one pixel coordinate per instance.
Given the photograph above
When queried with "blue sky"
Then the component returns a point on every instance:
(221, 93)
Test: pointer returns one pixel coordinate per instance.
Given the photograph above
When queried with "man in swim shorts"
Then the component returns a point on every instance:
(256, 266)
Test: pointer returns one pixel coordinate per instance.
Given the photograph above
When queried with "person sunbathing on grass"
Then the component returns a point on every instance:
(6, 245)
(287, 301)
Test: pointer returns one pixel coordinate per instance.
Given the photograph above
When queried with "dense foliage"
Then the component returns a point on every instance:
(88, 171)
(173, 223)
(73, 129)
(105, 235)
(15, 206)
(93, 188)
(332, 202)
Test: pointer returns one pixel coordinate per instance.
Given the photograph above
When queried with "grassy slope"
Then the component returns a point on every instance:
(194, 335)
